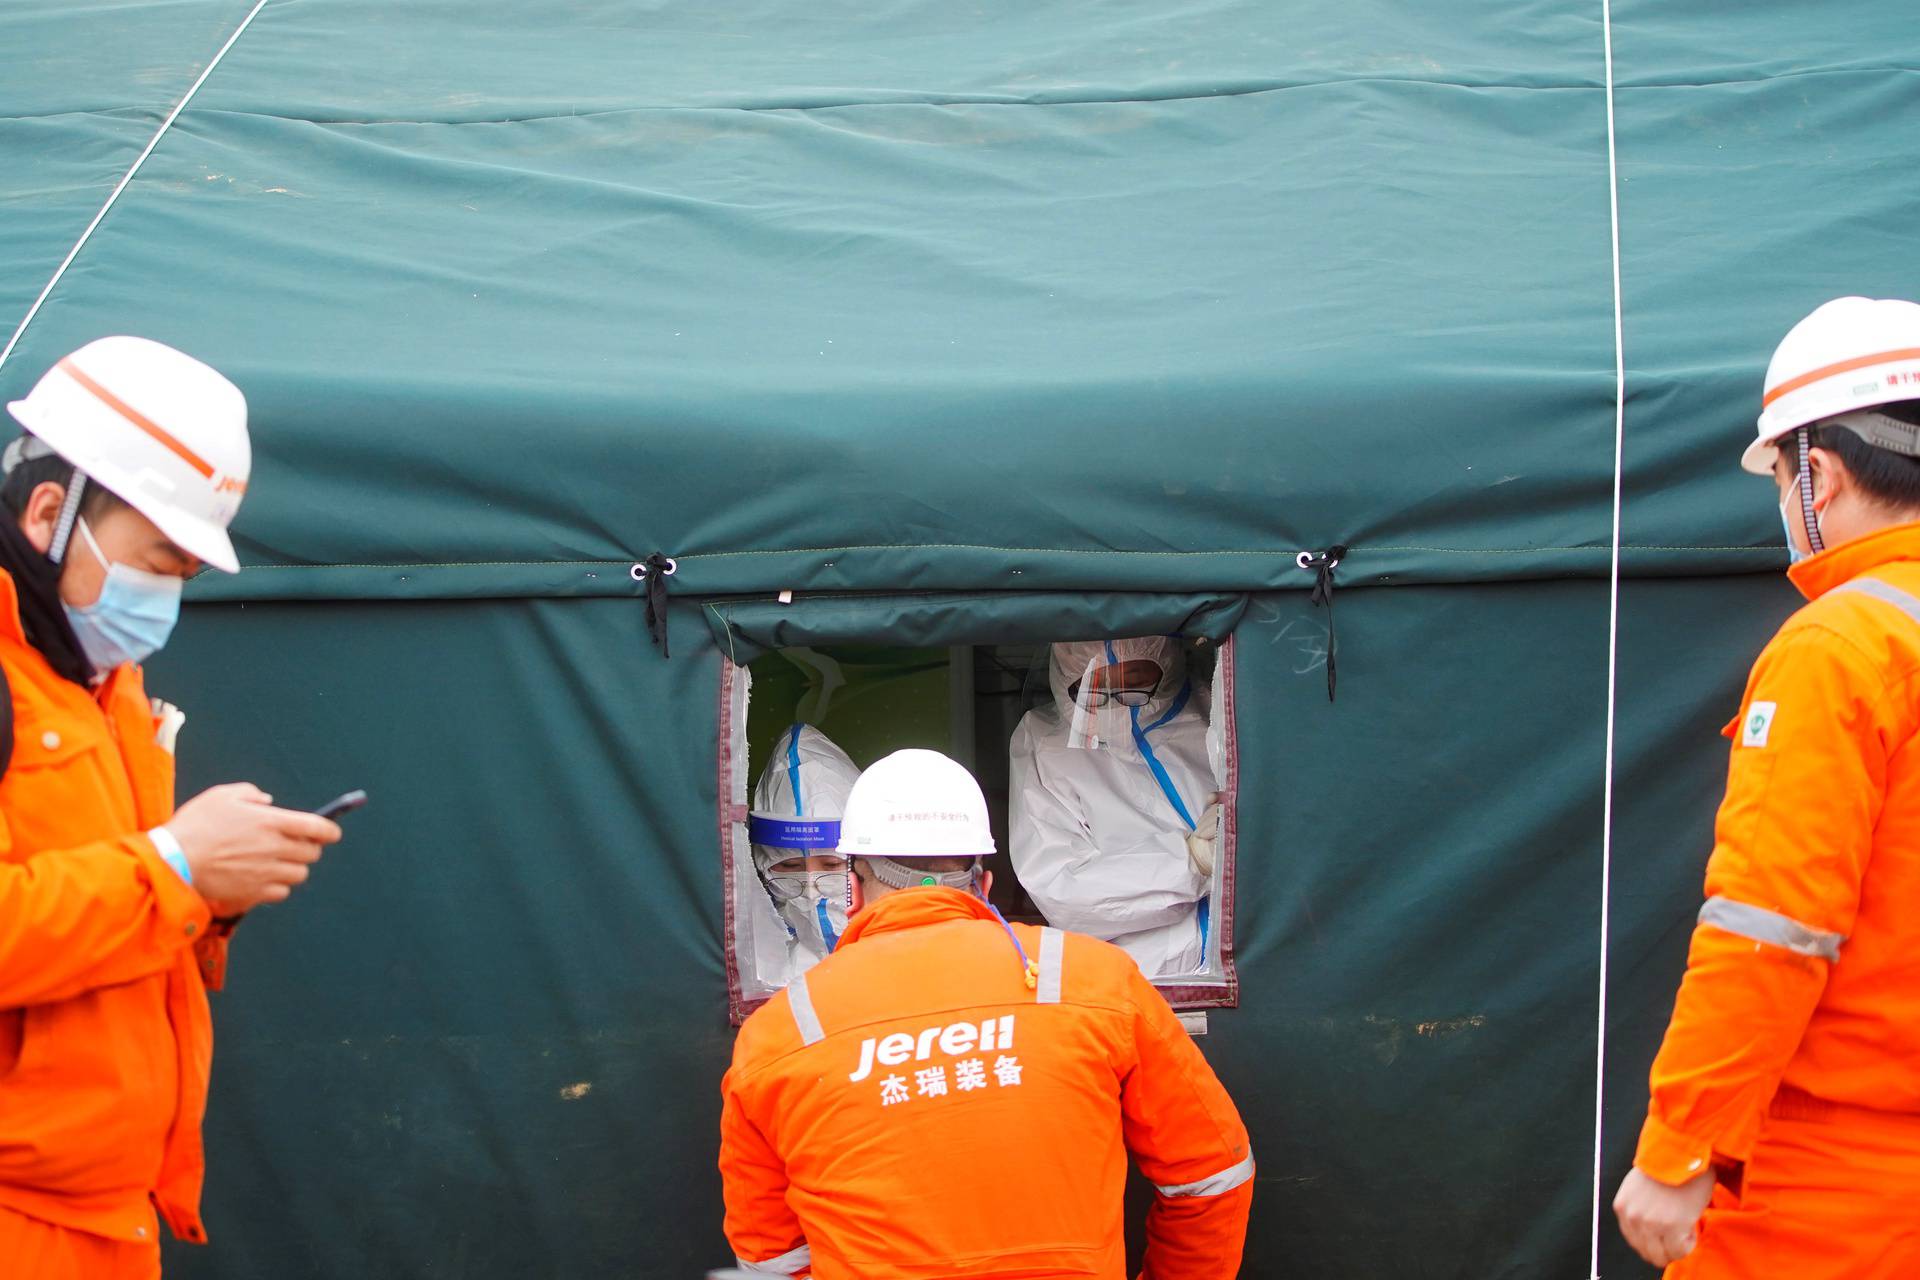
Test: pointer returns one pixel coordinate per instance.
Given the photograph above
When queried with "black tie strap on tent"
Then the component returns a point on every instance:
(1322, 564)
(652, 573)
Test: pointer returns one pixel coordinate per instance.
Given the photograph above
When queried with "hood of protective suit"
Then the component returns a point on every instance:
(801, 796)
(1071, 662)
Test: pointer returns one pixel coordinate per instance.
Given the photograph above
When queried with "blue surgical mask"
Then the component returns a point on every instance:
(133, 616)
(1794, 554)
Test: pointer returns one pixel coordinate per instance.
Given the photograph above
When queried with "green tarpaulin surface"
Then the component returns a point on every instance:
(912, 298)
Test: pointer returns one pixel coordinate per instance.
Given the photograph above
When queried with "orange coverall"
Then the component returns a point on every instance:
(1792, 1063)
(911, 1108)
(105, 958)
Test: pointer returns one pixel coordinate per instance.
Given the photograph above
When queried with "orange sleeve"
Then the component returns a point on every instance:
(104, 913)
(1791, 844)
(1186, 1135)
(762, 1230)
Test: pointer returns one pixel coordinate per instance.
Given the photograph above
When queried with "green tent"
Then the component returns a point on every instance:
(971, 327)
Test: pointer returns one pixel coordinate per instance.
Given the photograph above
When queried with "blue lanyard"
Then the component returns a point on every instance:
(1153, 761)
(1140, 740)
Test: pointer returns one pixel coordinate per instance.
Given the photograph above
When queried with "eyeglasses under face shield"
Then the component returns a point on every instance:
(1129, 683)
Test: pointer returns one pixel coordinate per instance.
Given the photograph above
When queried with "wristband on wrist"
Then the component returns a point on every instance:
(171, 852)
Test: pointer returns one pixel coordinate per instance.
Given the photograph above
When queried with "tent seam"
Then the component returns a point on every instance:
(978, 546)
(692, 556)
(126, 180)
(326, 122)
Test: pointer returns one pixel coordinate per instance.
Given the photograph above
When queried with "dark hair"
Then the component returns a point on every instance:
(31, 474)
(1890, 479)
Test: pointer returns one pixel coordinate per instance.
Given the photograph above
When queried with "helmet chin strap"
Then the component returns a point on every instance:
(1815, 542)
(69, 515)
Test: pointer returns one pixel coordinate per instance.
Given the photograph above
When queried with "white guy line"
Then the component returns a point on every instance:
(1613, 631)
(152, 142)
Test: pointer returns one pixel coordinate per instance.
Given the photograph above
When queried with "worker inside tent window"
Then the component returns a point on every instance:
(794, 826)
(1115, 803)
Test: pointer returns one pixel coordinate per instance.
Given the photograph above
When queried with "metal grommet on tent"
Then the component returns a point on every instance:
(1304, 560)
(640, 571)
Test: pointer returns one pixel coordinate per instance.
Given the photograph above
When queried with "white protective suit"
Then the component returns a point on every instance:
(807, 777)
(1097, 840)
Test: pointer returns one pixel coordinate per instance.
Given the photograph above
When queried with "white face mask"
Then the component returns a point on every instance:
(813, 905)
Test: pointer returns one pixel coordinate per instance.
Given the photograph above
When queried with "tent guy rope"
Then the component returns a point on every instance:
(125, 179)
(1613, 637)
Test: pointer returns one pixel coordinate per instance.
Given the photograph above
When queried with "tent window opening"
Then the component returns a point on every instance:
(1107, 767)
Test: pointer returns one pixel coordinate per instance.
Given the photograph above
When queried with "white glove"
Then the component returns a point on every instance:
(1200, 841)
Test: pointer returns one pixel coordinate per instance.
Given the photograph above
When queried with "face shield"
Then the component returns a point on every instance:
(794, 828)
(1108, 690)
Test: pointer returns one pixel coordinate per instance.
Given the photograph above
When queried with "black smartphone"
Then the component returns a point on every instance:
(342, 804)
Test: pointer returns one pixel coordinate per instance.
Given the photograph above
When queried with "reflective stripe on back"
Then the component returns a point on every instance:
(1906, 602)
(1215, 1185)
(790, 1263)
(1770, 927)
(800, 1000)
(1053, 950)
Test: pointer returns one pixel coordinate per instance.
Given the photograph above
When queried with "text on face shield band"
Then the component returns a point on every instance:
(792, 833)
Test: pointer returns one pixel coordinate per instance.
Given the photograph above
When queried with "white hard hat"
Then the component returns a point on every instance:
(916, 804)
(159, 429)
(1851, 353)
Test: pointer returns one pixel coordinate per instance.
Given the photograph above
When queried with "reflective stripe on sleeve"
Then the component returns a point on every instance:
(1217, 1185)
(1053, 949)
(800, 1000)
(1770, 927)
(790, 1263)
(1904, 601)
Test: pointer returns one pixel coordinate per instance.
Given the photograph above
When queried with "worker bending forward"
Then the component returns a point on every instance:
(1786, 1097)
(948, 1095)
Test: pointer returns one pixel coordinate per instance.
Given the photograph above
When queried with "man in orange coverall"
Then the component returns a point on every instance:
(948, 1095)
(1783, 1138)
(114, 908)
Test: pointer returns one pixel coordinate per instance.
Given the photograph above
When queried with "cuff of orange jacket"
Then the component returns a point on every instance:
(210, 956)
(183, 913)
(1669, 1156)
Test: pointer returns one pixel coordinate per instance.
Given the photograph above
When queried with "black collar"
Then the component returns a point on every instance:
(36, 584)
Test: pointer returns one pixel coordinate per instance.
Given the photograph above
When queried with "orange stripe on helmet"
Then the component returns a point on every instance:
(1827, 371)
(138, 419)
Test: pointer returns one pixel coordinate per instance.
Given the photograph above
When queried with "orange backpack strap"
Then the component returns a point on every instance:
(6, 723)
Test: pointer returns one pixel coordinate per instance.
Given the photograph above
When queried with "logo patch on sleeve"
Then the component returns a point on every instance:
(1758, 724)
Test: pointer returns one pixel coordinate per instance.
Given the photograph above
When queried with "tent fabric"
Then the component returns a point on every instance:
(532, 904)
(1051, 311)
(541, 259)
